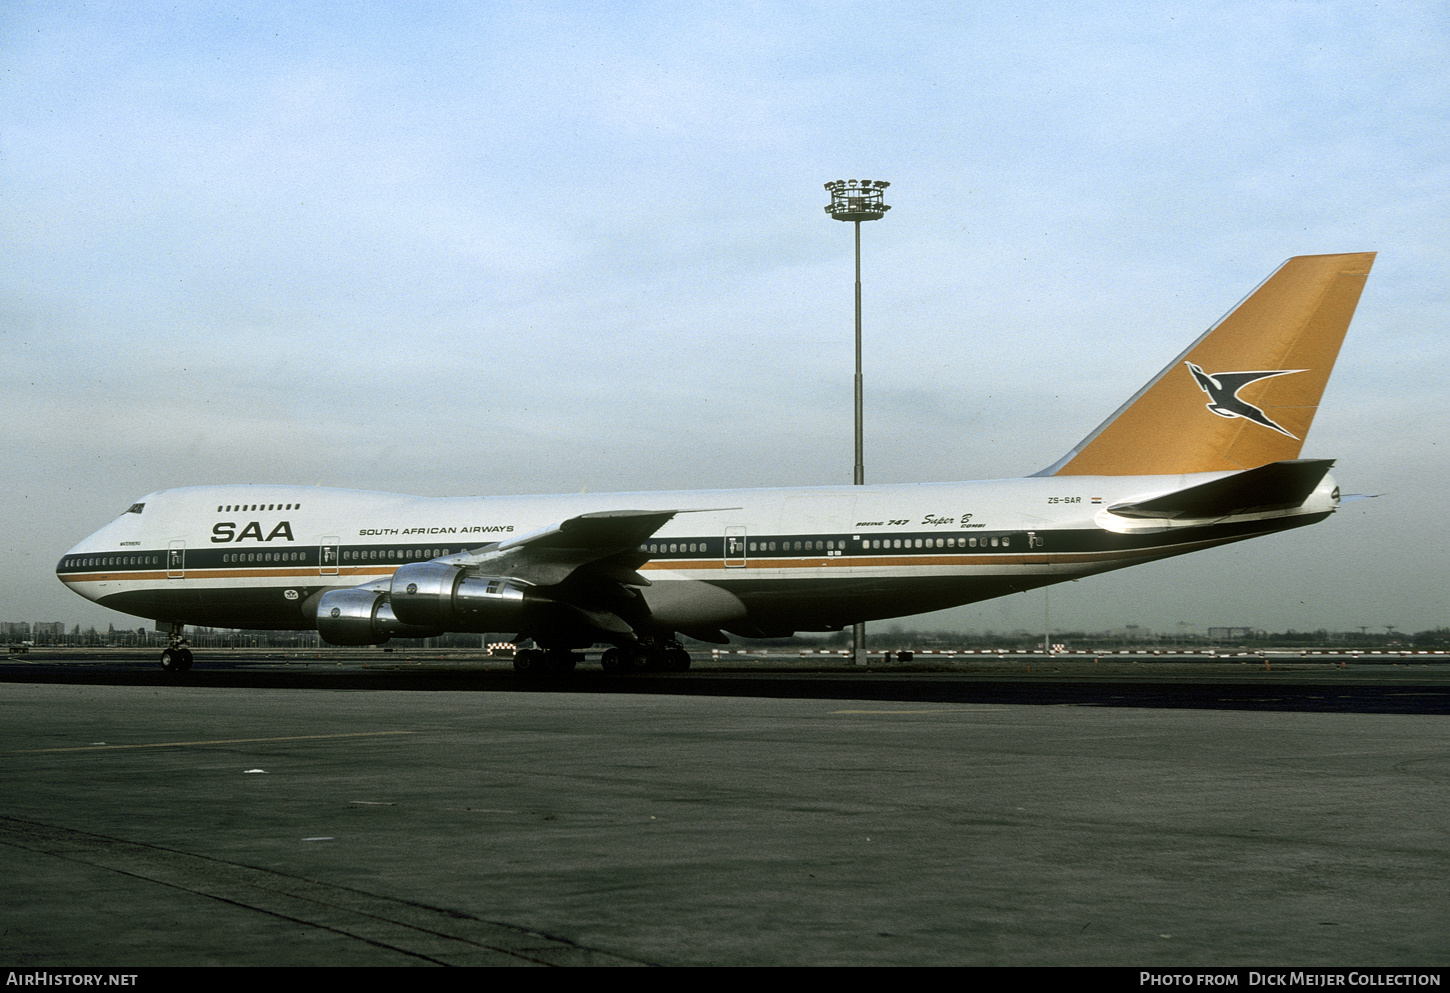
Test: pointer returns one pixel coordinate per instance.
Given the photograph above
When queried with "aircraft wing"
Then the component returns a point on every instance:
(604, 544)
(579, 573)
(604, 529)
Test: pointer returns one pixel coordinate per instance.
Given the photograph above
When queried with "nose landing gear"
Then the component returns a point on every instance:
(177, 656)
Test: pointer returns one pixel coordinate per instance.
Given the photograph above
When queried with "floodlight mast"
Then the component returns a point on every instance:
(857, 201)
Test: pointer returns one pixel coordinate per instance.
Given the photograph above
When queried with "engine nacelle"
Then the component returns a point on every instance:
(436, 594)
(362, 617)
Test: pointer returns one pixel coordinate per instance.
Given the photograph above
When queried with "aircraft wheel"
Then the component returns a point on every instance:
(176, 660)
(677, 660)
(528, 660)
(613, 660)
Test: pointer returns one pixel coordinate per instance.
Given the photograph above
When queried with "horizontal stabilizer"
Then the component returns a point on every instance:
(1276, 486)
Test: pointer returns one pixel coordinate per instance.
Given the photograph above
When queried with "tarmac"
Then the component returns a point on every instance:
(276, 810)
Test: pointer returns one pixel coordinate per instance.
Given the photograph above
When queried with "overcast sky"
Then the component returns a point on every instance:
(530, 248)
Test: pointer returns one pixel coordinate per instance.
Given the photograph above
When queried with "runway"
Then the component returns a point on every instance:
(209, 821)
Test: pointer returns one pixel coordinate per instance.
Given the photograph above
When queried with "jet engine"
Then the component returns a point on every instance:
(436, 594)
(363, 617)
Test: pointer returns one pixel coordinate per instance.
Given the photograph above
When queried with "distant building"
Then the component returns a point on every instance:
(48, 630)
(15, 630)
(1230, 634)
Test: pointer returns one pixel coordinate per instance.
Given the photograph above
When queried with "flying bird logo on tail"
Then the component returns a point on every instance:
(1223, 389)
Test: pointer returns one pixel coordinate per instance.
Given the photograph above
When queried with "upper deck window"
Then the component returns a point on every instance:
(136, 508)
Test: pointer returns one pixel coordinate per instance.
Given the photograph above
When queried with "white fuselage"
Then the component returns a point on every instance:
(797, 559)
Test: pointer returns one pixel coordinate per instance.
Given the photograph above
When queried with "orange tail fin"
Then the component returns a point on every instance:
(1244, 394)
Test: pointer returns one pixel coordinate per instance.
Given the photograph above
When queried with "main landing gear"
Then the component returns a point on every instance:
(669, 657)
(177, 656)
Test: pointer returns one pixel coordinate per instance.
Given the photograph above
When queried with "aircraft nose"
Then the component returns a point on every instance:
(73, 563)
(64, 568)
(68, 563)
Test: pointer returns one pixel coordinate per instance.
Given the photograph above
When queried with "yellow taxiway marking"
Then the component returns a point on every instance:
(214, 741)
(939, 710)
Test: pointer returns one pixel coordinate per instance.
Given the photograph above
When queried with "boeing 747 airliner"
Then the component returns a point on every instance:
(1205, 454)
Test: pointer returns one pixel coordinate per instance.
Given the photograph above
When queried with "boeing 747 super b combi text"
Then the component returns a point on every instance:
(1205, 454)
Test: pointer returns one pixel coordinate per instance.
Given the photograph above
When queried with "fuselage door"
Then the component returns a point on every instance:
(327, 554)
(735, 547)
(176, 560)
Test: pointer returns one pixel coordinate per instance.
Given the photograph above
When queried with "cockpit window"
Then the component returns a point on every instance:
(136, 508)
